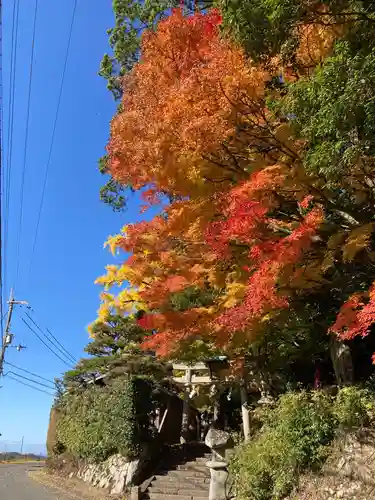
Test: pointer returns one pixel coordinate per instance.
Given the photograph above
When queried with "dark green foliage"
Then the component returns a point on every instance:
(114, 336)
(112, 193)
(335, 111)
(199, 349)
(192, 297)
(116, 352)
(261, 26)
(268, 27)
(295, 437)
(100, 421)
(289, 355)
(131, 18)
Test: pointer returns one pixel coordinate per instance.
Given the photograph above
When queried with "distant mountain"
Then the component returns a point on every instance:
(13, 455)
(16, 446)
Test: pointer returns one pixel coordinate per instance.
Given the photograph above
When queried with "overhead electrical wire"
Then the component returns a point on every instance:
(46, 172)
(54, 341)
(29, 385)
(2, 177)
(9, 151)
(70, 356)
(29, 373)
(45, 344)
(30, 380)
(18, 247)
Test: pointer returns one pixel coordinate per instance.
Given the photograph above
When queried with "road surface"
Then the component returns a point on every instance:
(15, 484)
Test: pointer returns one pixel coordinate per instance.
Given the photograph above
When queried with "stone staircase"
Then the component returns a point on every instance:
(182, 475)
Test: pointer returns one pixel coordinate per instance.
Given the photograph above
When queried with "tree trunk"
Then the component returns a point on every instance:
(342, 362)
(245, 413)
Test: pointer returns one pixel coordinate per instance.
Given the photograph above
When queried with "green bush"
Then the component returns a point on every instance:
(354, 407)
(100, 421)
(296, 437)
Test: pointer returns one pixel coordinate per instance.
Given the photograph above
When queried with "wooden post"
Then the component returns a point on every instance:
(185, 407)
(245, 413)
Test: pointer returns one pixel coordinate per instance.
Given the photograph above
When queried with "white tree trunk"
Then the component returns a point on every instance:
(245, 413)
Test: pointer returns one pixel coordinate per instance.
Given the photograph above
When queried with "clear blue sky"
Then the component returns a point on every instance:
(74, 224)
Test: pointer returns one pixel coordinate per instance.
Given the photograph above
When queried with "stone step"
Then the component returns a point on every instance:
(196, 463)
(193, 466)
(171, 480)
(179, 490)
(189, 473)
(163, 496)
(186, 459)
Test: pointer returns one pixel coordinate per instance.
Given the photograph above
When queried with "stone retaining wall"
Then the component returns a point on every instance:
(115, 474)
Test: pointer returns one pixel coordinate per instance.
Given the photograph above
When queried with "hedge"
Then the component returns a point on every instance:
(98, 421)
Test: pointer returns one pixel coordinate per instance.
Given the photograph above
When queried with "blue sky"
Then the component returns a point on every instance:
(74, 225)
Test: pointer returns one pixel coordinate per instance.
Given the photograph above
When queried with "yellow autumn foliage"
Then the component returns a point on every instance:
(357, 240)
(235, 292)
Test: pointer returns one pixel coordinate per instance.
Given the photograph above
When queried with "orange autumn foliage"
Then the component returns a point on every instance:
(194, 125)
(185, 65)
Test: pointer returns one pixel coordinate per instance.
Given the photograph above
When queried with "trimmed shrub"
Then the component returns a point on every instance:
(98, 422)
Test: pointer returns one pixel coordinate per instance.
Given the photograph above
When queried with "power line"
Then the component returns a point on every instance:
(2, 177)
(26, 142)
(54, 342)
(9, 162)
(53, 135)
(32, 387)
(29, 379)
(44, 343)
(30, 373)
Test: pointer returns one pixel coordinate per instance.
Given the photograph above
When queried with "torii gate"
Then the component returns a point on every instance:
(190, 379)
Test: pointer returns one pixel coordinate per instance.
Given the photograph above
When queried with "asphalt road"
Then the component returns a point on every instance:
(16, 485)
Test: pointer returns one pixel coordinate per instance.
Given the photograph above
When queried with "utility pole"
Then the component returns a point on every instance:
(8, 336)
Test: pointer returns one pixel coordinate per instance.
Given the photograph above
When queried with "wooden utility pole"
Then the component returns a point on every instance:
(8, 337)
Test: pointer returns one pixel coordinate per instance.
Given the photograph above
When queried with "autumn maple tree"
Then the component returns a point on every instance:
(251, 227)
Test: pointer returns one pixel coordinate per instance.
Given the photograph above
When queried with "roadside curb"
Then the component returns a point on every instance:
(69, 487)
(47, 480)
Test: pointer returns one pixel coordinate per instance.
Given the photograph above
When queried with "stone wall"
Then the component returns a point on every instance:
(348, 475)
(115, 474)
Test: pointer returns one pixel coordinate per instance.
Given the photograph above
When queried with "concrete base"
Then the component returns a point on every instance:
(218, 484)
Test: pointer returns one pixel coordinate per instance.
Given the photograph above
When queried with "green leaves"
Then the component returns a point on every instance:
(334, 110)
(131, 18)
(112, 193)
(263, 27)
(101, 421)
(293, 438)
(115, 351)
